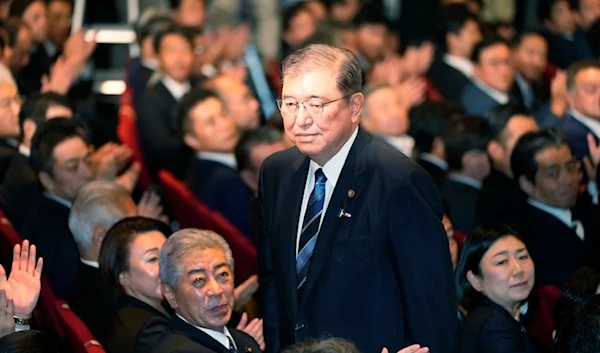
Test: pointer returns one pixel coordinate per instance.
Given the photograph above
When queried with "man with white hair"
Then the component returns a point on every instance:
(98, 206)
(196, 270)
(10, 106)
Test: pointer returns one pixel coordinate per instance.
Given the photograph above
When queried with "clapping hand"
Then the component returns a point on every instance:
(244, 292)
(255, 329)
(24, 283)
(150, 207)
(7, 312)
(415, 348)
(591, 161)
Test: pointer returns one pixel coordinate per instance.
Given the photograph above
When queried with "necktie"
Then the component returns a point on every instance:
(232, 348)
(310, 227)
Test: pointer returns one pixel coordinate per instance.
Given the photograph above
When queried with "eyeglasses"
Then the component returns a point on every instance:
(6, 102)
(313, 106)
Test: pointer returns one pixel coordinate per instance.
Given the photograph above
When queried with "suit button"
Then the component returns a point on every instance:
(299, 327)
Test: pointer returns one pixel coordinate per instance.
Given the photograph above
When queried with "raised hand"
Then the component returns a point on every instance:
(24, 283)
(150, 207)
(591, 161)
(7, 312)
(244, 292)
(255, 329)
(415, 348)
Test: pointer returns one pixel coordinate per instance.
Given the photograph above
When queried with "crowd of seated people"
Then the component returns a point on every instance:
(498, 101)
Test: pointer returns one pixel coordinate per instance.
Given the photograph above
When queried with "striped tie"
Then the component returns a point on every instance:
(310, 228)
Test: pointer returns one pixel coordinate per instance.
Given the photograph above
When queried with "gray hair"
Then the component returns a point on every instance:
(368, 91)
(98, 204)
(323, 345)
(182, 243)
(326, 57)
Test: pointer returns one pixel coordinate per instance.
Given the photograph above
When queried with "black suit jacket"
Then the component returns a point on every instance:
(362, 281)
(500, 200)
(462, 199)
(138, 77)
(47, 226)
(437, 174)
(29, 79)
(222, 189)
(93, 301)
(159, 132)
(19, 187)
(182, 337)
(7, 153)
(491, 329)
(449, 81)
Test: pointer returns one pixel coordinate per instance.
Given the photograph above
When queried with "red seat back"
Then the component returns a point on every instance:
(543, 320)
(79, 336)
(191, 213)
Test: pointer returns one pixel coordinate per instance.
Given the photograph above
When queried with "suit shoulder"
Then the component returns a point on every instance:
(393, 163)
(281, 159)
(244, 339)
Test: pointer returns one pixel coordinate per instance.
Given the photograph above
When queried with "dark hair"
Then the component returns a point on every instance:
(577, 291)
(114, 252)
(18, 7)
(478, 243)
(580, 332)
(172, 29)
(323, 345)
(427, 122)
(486, 43)
(462, 134)
(12, 26)
(446, 206)
(593, 37)
(518, 39)
(36, 108)
(412, 43)
(290, 12)
(522, 160)
(499, 117)
(188, 102)
(581, 65)
(176, 3)
(545, 8)
(151, 26)
(452, 19)
(30, 341)
(49, 135)
(368, 16)
(250, 139)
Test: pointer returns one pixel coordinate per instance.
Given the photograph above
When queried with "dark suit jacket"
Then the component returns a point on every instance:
(449, 81)
(539, 91)
(476, 101)
(130, 320)
(7, 153)
(138, 76)
(159, 132)
(221, 188)
(182, 337)
(462, 199)
(395, 221)
(500, 200)
(491, 329)
(29, 79)
(437, 174)
(576, 133)
(93, 301)
(19, 187)
(47, 227)
(563, 52)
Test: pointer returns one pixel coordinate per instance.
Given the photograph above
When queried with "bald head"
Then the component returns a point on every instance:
(240, 102)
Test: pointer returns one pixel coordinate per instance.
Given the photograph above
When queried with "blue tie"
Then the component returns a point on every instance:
(310, 228)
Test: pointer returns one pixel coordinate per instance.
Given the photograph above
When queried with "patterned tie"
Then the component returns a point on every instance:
(232, 348)
(310, 228)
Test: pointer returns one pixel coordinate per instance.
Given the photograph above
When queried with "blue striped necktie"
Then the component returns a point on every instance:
(310, 228)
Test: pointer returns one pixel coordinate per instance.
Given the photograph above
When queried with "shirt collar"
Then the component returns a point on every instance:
(428, 157)
(93, 264)
(24, 150)
(522, 82)
(562, 214)
(590, 123)
(177, 89)
(333, 168)
(151, 64)
(461, 64)
(50, 48)
(496, 95)
(462, 179)
(221, 337)
(404, 143)
(60, 200)
(224, 158)
(11, 142)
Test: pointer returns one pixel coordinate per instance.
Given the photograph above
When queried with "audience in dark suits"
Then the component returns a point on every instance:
(581, 331)
(494, 278)
(465, 145)
(210, 132)
(500, 199)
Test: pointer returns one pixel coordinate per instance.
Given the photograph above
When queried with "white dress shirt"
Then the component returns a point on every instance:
(332, 170)
(562, 214)
(404, 143)
(461, 64)
(221, 337)
(177, 89)
(24, 150)
(93, 264)
(60, 200)
(590, 123)
(465, 180)
(500, 97)
(428, 157)
(224, 158)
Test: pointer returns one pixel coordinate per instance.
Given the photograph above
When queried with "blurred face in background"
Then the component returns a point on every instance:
(176, 57)
(191, 13)
(301, 28)
(59, 21)
(371, 39)
(530, 57)
(385, 115)
(35, 17)
(584, 96)
(494, 67)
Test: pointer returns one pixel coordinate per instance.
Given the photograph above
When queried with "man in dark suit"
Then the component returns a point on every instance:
(98, 206)
(196, 271)
(210, 132)
(464, 139)
(10, 104)
(561, 231)
(381, 214)
(160, 138)
(500, 198)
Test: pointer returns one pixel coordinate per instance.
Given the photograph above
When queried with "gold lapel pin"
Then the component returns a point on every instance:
(249, 349)
(351, 193)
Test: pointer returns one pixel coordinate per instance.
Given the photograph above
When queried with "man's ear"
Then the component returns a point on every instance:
(438, 147)
(247, 177)
(526, 185)
(495, 151)
(192, 142)
(475, 281)
(98, 236)
(356, 104)
(46, 181)
(29, 129)
(169, 294)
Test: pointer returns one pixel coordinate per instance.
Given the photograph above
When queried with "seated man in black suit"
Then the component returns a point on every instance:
(210, 132)
(561, 231)
(464, 140)
(196, 271)
(457, 33)
(500, 198)
(160, 138)
(98, 206)
(493, 77)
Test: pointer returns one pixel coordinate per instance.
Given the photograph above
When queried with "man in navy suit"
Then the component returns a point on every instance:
(346, 222)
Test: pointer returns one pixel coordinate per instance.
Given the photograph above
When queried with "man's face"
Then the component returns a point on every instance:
(36, 18)
(561, 17)
(204, 293)
(59, 21)
(585, 95)
(371, 40)
(494, 67)
(10, 106)
(385, 114)
(530, 57)
(213, 130)
(557, 178)
(301, 28)
(321, 136)
(176, 57)
(20, 52)
(240, 102)
(466, 39)
(589, 12)
(517, 126)
(72, 168)
(191, 13)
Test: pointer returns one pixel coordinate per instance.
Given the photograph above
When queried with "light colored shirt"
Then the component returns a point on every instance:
(461, 64)
(332, 170)
(60, 200)
(590, 123)
(428, 157)
(500, 97)
(221, 337)
(562, 214)
(24, 150)
(404, 143)
(224, 158)
(93, 264)
(465, 180)
(177, 89)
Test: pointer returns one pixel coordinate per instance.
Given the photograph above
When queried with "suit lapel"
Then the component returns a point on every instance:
(351, 178)
(241, 342)
(181, 327)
